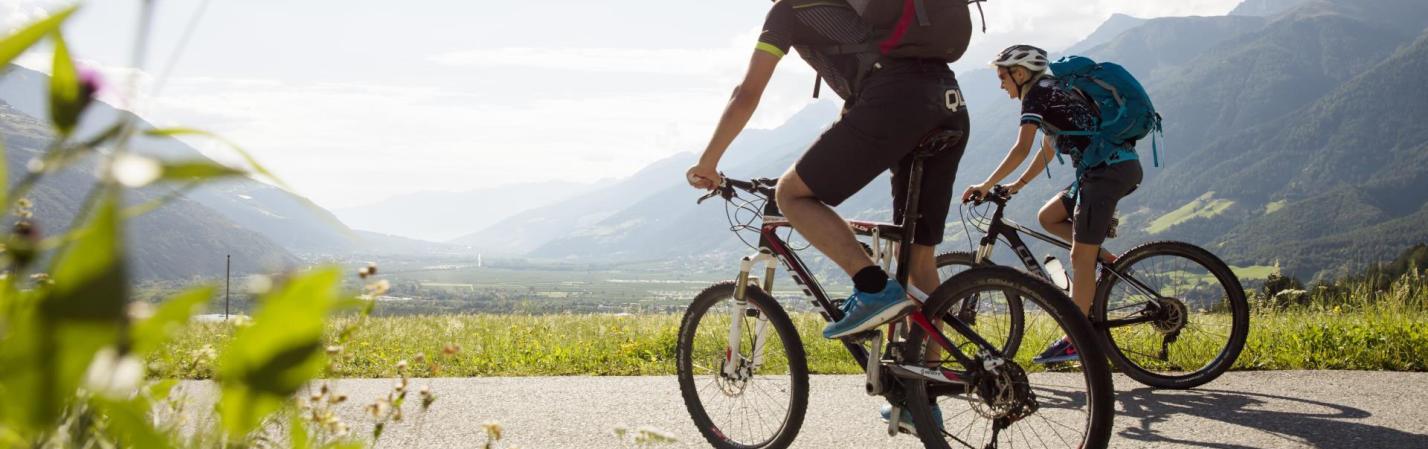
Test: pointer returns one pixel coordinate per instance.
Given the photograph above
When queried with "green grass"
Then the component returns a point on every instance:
(1254, 271)
(1206, 206)
(1275, 206)
(550, 345)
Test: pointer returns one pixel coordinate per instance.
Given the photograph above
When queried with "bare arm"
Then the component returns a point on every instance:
(1026, 136)
(1038, 163)
(736, 115)
(1024, 140)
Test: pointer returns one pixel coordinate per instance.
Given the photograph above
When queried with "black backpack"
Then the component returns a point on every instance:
(917, 29)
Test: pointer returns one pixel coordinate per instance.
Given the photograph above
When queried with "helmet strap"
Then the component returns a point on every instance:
(1021, 87)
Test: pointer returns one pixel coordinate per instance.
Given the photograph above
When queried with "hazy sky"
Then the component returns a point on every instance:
(352, 101)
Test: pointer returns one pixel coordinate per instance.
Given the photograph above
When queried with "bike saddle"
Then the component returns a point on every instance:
(937, 141)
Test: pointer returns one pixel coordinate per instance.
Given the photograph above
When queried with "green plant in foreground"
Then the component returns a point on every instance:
(73, 339)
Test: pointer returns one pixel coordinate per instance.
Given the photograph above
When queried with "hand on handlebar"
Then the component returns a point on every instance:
(702, 176)
(976, 193)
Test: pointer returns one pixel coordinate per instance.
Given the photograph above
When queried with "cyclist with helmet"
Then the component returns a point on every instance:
(1083, 212)
(887, 111)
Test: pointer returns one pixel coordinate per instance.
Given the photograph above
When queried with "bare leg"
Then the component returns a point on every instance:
(923, 270)
(820, 224)
(1083, 267)
(1057, 221)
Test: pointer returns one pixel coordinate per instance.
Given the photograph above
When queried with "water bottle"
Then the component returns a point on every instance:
(1057, 273)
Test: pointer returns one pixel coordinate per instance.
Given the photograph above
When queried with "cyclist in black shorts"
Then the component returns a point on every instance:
(886, 114)
(1083, 212)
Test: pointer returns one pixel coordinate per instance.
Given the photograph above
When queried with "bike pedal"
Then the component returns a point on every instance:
(864, 335)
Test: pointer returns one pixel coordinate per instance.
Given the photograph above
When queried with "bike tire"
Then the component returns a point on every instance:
(1009, 331)
(1095, 371)
(793, 351)
(1238, 307)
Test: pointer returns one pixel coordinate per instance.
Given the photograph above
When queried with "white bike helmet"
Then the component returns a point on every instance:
(1026, 56)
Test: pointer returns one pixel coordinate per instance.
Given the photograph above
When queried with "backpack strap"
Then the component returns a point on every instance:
(920, 6)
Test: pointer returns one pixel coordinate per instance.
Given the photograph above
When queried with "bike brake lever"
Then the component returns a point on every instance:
(706, 196)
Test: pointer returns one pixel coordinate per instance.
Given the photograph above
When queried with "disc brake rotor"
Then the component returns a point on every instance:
(1004, 395)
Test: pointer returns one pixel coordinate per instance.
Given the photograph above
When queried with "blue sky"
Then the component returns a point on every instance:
(351, 101)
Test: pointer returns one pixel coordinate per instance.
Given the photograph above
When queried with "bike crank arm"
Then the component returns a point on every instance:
(938, 376)
(874, 369)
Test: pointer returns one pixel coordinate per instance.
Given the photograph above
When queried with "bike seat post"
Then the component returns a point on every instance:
(936, 142)
(910, 214)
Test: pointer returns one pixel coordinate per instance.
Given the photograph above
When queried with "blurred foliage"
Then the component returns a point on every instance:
(73, 337)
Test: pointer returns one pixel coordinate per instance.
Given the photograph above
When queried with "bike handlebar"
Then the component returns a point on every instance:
(999, 194)
(759, 186)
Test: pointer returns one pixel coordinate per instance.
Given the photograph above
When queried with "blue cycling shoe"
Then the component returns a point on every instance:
(1058, 351)
(905, 424)
(864, 311)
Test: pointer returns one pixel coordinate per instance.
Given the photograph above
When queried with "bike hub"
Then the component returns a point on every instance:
(1172, 317)
(1003, 394)
(734, 385)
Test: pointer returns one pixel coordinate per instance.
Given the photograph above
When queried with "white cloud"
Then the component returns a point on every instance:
(14, 13)
(353, 142)
(608, 60)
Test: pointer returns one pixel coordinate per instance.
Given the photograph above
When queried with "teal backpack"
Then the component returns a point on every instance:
(1125, 110)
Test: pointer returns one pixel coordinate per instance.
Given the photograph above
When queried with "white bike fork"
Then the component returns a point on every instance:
(741, 309)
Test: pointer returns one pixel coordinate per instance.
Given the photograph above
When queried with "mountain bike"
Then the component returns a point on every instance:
(743, 372)
(1171, 314)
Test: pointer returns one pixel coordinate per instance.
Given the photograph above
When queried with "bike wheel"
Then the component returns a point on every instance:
(762, 403)
(1016, 404)
(996, 316)
(1199, 318)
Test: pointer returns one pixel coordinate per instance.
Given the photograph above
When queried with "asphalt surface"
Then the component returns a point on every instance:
(1279, 409)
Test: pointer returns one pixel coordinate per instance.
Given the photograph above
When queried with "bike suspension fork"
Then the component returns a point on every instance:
(741, 310)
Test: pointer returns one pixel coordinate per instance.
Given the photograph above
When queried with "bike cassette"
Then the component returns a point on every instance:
(1172, 317)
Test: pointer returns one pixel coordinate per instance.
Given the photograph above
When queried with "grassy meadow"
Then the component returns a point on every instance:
(1356, 330)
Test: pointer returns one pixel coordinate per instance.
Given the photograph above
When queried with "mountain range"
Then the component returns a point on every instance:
(264, 228)
(1292, 138)
(1289, 139)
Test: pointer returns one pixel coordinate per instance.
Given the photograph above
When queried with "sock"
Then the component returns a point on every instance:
(871, 279)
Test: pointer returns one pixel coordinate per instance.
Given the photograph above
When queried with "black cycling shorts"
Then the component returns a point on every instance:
(1101, 190)
(898, 106)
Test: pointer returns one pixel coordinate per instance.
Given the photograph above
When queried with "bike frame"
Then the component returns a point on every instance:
(1002, 228)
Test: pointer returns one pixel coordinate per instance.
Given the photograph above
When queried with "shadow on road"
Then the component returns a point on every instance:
(1315, 423)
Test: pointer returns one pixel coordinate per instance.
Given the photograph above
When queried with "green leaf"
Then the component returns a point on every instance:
(65, 97)
(55, 337)
(297, 432)
(266, 363)
(89, 272)
(151, 334)
(129, 420)
(160, 390)
(13, 45)
(256, 168)
(247, 158)
(200, 170)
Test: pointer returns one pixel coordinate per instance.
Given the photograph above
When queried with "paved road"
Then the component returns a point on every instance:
(1289, 409)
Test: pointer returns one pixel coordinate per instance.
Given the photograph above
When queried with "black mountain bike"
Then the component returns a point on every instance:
(744, 376)
(1171, 314)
